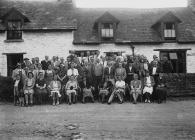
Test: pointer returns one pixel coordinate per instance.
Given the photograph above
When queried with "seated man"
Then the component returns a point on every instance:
(71, 87)
(148, 87)
(119, 90)
(135, 88)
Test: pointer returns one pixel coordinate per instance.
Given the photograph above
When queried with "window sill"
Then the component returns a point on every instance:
(14, 40)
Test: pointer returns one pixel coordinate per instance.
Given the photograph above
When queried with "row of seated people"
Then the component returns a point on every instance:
(24, 91)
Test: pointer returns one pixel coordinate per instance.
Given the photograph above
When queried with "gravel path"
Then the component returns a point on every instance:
(174, 120)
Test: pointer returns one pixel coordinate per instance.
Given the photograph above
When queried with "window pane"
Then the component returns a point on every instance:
(14, 30)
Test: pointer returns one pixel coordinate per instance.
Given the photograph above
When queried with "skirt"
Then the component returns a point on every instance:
(148, 90)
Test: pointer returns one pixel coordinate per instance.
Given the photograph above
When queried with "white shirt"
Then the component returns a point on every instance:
(16, 83)
(148, 81)
(154, 70)
(120, 84)
(72, 72)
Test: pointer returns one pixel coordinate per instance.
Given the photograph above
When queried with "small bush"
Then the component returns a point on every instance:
(6, 89)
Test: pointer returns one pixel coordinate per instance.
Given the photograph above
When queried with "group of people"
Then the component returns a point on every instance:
(91, 75)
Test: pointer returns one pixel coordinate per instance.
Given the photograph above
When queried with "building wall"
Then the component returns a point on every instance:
(59, 43)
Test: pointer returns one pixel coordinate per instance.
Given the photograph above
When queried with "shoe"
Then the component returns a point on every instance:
(69, 103)
(146, 101)
(57, 103)
(149, 101)
(109, 103)
(53, 104)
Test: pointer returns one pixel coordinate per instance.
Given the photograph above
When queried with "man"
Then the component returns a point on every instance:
(109, 72)
(167, 66)
(135, 88)
(120, 72)
(26, 63)
(155, 69)
(119, 91)
(98, 70)
(19, 71)
(130, 70)
(45, 63)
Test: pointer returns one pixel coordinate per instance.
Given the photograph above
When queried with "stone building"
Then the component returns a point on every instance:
(36, 29)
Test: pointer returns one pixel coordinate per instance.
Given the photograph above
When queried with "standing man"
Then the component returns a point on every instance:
(167, 66)
(98, 71)
(45, 63)
(109, 72)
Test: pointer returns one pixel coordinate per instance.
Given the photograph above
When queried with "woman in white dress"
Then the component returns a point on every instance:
(148, 87)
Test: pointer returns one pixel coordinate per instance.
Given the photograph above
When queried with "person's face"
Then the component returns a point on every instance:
(39, 67)
(130, 64)
(72, 65)
(18, 77)
(165, 58)
(147, 74)
(109, 64)
(136, 77)
(120, 65)
(30, 75)
(88, 53)
(46, 58)
(97, 52)
(41, 75)
(119, 78)
(72, 78)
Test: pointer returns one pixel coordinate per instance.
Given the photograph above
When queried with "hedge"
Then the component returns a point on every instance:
(6, 89)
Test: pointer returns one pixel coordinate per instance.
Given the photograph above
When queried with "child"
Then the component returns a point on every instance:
(18, 91)
(87, 90)
(55, 87)
(29, 88)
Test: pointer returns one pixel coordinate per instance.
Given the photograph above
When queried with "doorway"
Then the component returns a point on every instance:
(12, 60)
(177, 58)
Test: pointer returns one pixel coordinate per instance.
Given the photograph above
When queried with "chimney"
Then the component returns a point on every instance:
(191, 4)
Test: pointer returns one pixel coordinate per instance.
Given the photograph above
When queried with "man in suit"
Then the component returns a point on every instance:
(109, 72)
(45, 63)
(130, 69)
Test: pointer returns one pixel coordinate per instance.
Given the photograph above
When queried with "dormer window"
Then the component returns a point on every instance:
(169, 31)
(107, 30)
(14, 31)
(106, 27)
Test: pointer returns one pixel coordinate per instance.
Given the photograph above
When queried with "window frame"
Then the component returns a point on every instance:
(169, 34)
(14, 34)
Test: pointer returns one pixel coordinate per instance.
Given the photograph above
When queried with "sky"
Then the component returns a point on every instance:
(126, 3)
(130, 3)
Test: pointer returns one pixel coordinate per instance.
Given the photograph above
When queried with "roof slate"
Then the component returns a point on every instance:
(42, 15)
(135, 25)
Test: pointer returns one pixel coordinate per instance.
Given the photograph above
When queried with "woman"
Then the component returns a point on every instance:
(39, 70)
(148, 87)
(71, 88)
(135, 88)
(55, 87)
(49, 75)
(29, 88)
(41, 91)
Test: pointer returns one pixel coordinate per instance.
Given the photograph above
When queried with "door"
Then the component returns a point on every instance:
(12, 60)
(177, 58)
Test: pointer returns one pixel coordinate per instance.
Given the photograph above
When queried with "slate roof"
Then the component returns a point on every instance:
(135, 24)
(42, 15)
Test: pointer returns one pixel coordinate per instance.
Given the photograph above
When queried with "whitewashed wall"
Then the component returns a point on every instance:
(59, 43)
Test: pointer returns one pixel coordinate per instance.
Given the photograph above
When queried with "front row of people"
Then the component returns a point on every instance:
(25, 90)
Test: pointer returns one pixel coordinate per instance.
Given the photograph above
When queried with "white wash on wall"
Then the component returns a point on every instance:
(59, 43)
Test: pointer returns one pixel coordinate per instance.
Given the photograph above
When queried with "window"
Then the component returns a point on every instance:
(107, 30)
(169, 31)
(14, 30)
